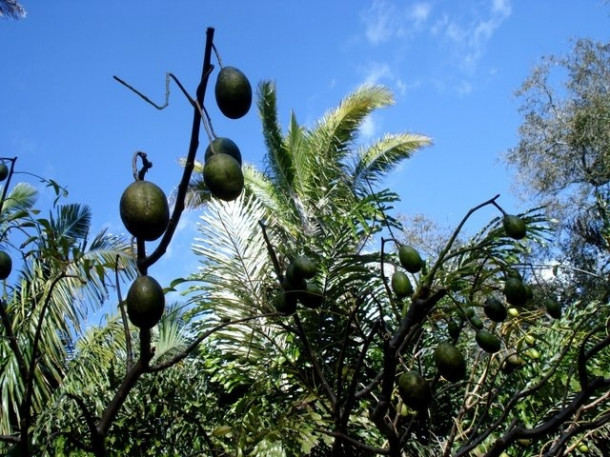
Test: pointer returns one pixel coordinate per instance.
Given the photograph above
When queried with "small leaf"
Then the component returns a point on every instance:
(222, 430)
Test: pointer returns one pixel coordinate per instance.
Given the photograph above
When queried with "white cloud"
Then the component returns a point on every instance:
(459, 32)
(376, 72)
(470, 36)
(384, 20)
(419, 13)
(382, 73)
(379, 21)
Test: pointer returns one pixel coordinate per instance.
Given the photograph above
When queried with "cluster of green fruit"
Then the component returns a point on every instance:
(222, 171)
(6, 263)
(414, 388)
(296, 286)
(145, 213)
(411, 261)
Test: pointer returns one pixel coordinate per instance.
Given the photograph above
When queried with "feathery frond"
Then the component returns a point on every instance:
(373, 162)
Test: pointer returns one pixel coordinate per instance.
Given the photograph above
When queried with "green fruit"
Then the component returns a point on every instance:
(286, 302)
(293, 280)
(410, 259)
(454, 329)
(512, 363)
(529, 340)
(553, 308)
(476, 322)
(401, 285)
(233, 93)
(414, 390)
(223, 177)
(3, 171)
(524, 442)
(529, 292)
(305, 267)
(512, 273)
(533, 353)
(145, 302)
(494, 309)
(515, 292)
(223, 145)
(312, 297)
(582, 447)
(6, 265)
(144, 210)
(513, 312)
(488, 341)
(514, 226)
(450, 362)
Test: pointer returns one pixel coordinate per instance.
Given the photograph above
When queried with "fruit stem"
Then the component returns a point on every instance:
(217, 54)
(504, 213)
(146, 164)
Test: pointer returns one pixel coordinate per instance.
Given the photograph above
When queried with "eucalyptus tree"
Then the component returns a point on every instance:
(562, 158)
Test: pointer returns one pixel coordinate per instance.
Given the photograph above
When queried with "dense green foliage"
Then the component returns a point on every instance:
(312, 327)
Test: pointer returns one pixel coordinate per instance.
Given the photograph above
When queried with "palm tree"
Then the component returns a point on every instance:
(317, 196)
(63, 273)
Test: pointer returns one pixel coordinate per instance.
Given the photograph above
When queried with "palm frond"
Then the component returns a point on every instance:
(279, 157)
(71, 221)
(11, 9)
(380, 158)
(21, 197)
(337, 130)
(170, 334)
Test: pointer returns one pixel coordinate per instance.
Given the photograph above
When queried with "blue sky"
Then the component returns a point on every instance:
(452, 65)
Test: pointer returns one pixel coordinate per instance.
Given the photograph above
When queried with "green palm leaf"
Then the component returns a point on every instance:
(279, 157)
(377, 160)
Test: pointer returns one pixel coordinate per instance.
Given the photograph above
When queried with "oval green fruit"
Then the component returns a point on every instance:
(514, 226)
(410, 259)
(450, 362)
(513, 312)
(414, 390)
(6, 265)
(3, 171)
(476, 322)
(145, 302)
(223, 177)
(454, 329)
(515, 292)
(305, 267)
(285, 302)
(233, 92)
(144, 210)
(312, 297)
(512, 273)
(533, 353)
(488, 341)
(553, 308)
(222, 145)
(293, 280)
(512, 363)
(494, 309)
(401, 285)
